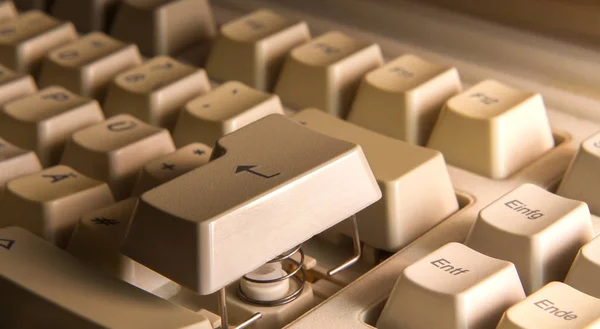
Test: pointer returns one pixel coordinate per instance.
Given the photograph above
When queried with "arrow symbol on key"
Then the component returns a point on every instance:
(249, 169)
(4, 243)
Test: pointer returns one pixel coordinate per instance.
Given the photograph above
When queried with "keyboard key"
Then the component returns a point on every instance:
(26, 39)
(163, 169)
(45, 121)
(555, 306)
(49, 203)
(492, 130)
(16, 162)
(267, 183)
(224, 110)
(64, 293)
(252, 49)
(7, 11)
(454, 287)
(581, 181)
(585, 269)
(115, 150)
(97, 240)
(86, 15)
(329, 69)
(156, 91)
(164, 27)
(89, 65)
(536, 230)
(14, 85)
(403, 98)
(412, 180)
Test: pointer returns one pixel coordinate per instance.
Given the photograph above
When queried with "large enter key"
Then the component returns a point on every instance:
(271, 186)
(44, 287)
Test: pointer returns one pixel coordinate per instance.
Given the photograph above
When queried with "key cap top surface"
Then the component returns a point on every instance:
(267, 180)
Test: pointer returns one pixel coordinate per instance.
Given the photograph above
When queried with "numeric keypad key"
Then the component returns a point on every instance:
(156, 91)
(492, 130)
(329, 69)
(115, 150)
(453, 287)
(49, 203)
(252, 49)
(26, 39)
(46, 120)
(89, 65)
(538, 231)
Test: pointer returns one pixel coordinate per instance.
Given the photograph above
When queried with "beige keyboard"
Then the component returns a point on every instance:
(350, 164)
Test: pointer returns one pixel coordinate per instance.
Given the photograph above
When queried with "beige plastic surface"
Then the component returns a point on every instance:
(454, 287)
(165, 168)
(555, 306)
(164, 27)
(156, 91)
(49, 203)
(88, 65)
(330, 69)
(565, 75)
(492, 130)
(97, 240)
(16, 162)
(26, 39)
(14, 85)
(413, 180)
(403, 98)
(536, 230)
(86, 15)
(7, 10)
(581, 181)
(584, 271)
(224, 110)
(64, 293)
(267, 182)
(116, 150)
(45, 121)
(252, 49)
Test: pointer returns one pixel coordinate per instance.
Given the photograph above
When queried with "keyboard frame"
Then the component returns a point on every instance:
(567, 76)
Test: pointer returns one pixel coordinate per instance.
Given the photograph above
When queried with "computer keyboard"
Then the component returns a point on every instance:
(299, 164)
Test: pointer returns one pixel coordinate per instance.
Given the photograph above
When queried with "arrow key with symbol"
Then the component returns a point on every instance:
(170, 166)
(45, 121)
(16, 162)
(116, 150)
(224, 110)
(266, 182)
(97, 240)
(49, 203)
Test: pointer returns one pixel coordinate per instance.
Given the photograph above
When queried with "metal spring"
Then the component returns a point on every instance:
(290, 297)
